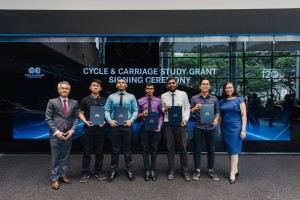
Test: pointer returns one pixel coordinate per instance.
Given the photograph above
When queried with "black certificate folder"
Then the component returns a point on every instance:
(175, 115)
(97, 115)
(121, 115)
(151, 121)
(207, 114)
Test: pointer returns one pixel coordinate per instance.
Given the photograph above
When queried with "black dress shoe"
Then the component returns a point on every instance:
(131, 176)
(170, 176)
(153, 175)
(112, 176)
(232, 181)
(187, 177)
(236, 175)
(147, 175)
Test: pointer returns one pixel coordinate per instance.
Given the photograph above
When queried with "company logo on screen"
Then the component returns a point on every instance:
(34, 72)
(270, 73)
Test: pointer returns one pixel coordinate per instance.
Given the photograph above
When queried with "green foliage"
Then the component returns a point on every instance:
(251, 67)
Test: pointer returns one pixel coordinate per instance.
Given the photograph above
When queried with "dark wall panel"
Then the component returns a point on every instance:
(150, 22)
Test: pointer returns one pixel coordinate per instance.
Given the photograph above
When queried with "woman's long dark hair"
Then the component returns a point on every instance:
(224, 95)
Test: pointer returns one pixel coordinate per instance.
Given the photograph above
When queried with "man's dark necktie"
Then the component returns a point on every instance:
(173, 100)
(121, 99)
(65, 113)
(149, 105)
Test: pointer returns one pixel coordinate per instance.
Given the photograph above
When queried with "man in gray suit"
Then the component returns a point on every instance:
(62, 119)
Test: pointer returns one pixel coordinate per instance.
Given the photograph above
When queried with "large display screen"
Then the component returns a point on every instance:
(31, 72)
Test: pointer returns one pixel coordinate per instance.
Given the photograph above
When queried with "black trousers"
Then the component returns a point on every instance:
(150, 141)
(179, 135)
(92, 139)
(121, 137)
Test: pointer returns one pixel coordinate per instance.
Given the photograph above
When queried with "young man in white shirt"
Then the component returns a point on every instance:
(177, 133)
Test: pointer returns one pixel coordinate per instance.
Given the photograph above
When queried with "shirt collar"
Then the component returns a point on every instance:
(208, 96)
(62, 99)
(146, 96)
(121, 92)
(94, 98)
(173, 92)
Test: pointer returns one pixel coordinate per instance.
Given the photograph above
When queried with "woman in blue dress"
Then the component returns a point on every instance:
(232, 126)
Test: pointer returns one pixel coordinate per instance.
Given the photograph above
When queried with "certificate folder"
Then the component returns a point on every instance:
(207, 114)
(97, 115)
(175, 115)
(151, 121)
(121, 115)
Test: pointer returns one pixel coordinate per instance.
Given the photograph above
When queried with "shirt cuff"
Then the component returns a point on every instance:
(56, 132)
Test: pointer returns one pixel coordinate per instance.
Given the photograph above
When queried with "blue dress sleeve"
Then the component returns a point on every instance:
(240, 100)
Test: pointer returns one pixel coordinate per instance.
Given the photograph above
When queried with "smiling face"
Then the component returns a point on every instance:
(229, 89)
(204, 86)
(64, 90)
(172, 85)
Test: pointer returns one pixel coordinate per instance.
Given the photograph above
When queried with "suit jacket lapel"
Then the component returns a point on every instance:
(60, 105)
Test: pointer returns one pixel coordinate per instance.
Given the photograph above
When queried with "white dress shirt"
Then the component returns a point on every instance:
(180, 99)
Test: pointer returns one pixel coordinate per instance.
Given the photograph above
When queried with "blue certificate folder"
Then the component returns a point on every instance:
(175, 115)
(121, 115)
(207, 114)
(151, 121)
(97, 115)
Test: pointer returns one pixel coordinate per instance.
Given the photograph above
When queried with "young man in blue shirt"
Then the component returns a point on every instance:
(121, 134)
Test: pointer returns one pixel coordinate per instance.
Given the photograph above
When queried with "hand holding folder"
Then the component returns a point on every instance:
(121, 115)
(207, 114)
(151, 121)
(175, 115)
(97, 115)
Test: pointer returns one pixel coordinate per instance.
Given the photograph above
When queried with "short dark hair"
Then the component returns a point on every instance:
(96, 81)
(149, 84)
(171, 78)
(224, 95)
(204, 79)
(121, 79)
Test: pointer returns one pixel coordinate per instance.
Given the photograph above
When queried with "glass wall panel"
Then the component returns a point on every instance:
(186, 47)
(286, 48)
(186, 62)
(256, 67)
(239, 62)
(165, 47)
(285, 67)
(215, 68)
(258, 48)
(215, 49)
(165, 62)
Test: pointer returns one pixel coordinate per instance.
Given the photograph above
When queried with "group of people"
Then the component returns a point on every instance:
(63, 114)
